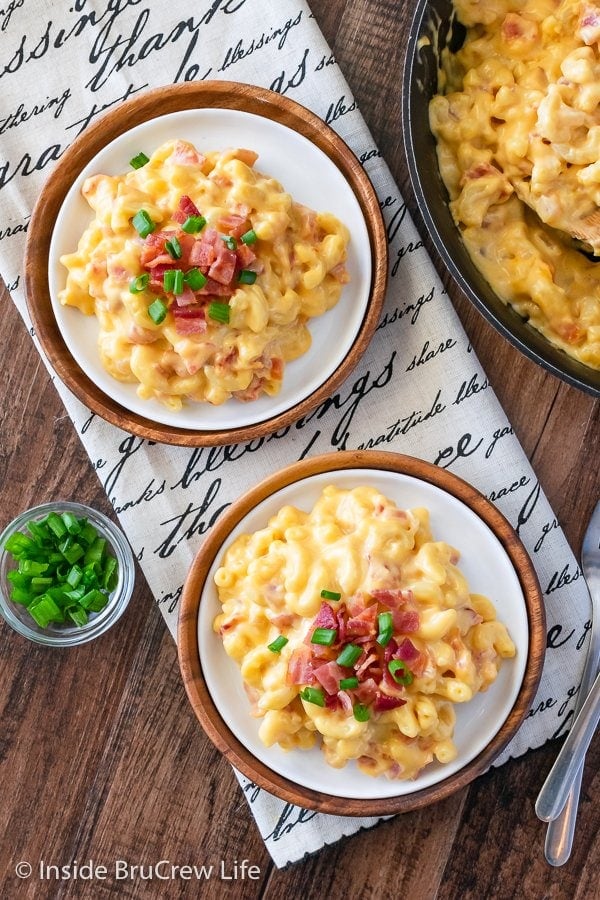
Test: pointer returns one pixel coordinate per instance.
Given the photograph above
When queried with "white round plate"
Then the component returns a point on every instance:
(488, 570)
(307, 174)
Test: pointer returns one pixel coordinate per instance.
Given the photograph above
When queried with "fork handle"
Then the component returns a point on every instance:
(555, 789)
(560, 832)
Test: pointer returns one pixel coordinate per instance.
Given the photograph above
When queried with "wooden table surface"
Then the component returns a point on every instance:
(100, 756)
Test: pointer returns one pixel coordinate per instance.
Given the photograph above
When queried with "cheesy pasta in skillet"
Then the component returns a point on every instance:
(203, 274)
(352, 626)
(518, 132)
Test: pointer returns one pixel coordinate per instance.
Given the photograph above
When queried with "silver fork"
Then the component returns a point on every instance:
(561, 827)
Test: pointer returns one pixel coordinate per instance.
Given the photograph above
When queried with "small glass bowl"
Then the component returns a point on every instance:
(62, 634)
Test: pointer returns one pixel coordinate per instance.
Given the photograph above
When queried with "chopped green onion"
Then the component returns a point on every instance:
(250, 237)
(32, 568)
(173, 248)
(71, 523)
(20, 595)
(194, 224)
(139, 284)
(173, 281)
(195, 279)
(324, 636)
(44, 610)
(19, 544)
(40, 532)
(400, 671)
(230, 242)
(39, 583)
(386, 628)
(219, 312)
(143, 224)
(138, 161)
(56, 524)
(109, 575)
(94, 600)
(17, 578)
(361, 712)
(48, 581)
(278, 644)
(71, 550)
(88, 533)
(95, 553)
(313, 695)
(348, 684)
(247, 277)
(78, 615)
(157, 311)
(330, 595)
(74, 576)
(349, 655)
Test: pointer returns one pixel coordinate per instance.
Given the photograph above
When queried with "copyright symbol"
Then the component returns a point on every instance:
(23, 869)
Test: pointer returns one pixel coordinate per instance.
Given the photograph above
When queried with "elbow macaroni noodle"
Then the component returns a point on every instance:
(376, 558)
(518, 132)
(299, 267)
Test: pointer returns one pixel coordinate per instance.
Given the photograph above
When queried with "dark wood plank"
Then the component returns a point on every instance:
(100, 756)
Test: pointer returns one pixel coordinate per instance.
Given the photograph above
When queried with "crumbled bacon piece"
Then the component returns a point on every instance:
(300, 666)
(246, 256)
(214, 288)
(157, 274)
(345, 702)
(153, 250)
(366, 691)
(355, 605)
(406, 622)
(407, 651)
(234, 225)
(383, 702)
(589, 25)
(186, 208)
(329, 676)
(185, 154)
(189, 320)
(325, 617)
(204, 252)
(276, 367)
(393, 599)
(364, 622)
(186, 298)
(516, 28)
(223, 268)
(570, 332)
(361, 667)
(480, 170)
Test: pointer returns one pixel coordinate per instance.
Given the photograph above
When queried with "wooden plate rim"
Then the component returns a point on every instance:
(154, 104)
(189, 656)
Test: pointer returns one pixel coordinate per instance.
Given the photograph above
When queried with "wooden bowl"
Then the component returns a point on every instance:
(199, 657)
(210, 96)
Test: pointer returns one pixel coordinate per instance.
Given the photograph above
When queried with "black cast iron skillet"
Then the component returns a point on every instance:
(434, 19)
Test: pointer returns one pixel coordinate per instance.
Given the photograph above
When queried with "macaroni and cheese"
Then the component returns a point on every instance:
(203, 274)
(518, 131)
(352, 625)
